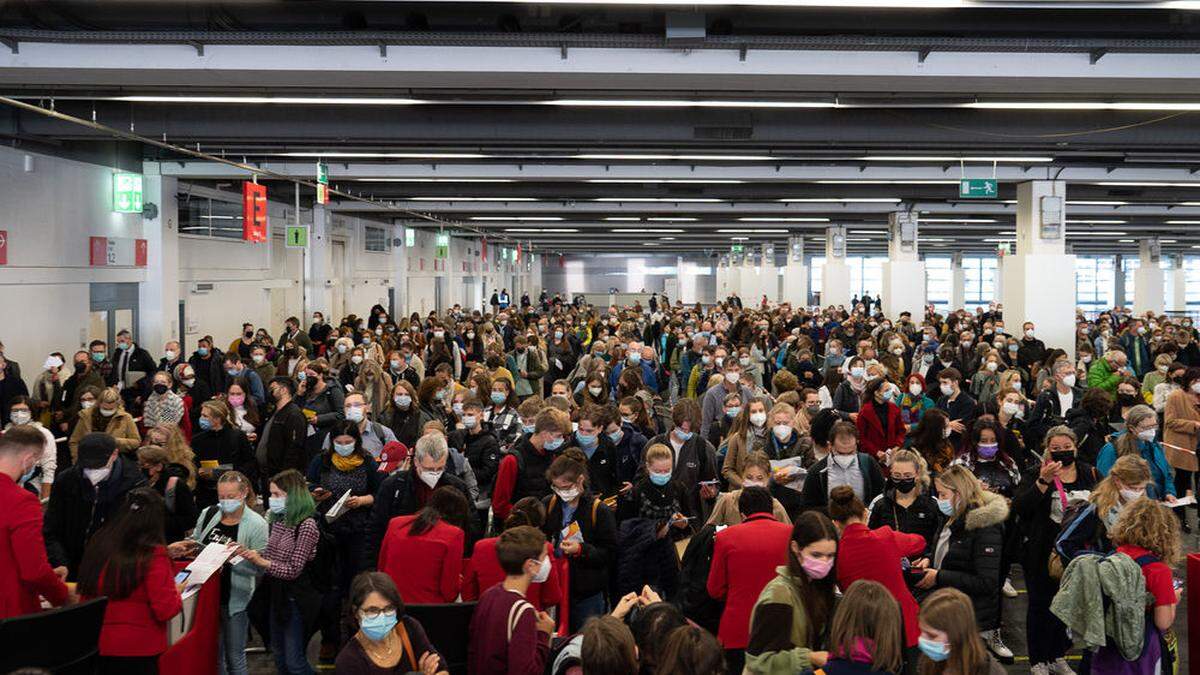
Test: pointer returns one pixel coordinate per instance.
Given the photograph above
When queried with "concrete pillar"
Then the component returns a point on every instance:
(1177, 285)
(318, 284)
(751, 283)
(904, 271)
(158, 313)
(835, 277)
(768, 275)
(733, 274)
(795, 274)
(1148, 278)
(1039, 278)
(399, 270)
(1119, 294)
(958, 282)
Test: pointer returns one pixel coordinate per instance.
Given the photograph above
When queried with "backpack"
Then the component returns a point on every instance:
(322, 569)
(1072, 517)
(595, 505)
(697, 604)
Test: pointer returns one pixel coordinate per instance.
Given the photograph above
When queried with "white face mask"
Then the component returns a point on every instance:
(782, 431)
(992, 366)
(758, 419)
(97, 476)
(21, 417)
(1011, 408)
(568, 495)
(946, 388)
(356, 359)
(595, 391)
(1069, 380)
(431, 478)
(86, 404)
(543, 572)
(1128, 495)
(754, 483)
(108, 413)
(170, 355)
(914, 389)
(844, 461)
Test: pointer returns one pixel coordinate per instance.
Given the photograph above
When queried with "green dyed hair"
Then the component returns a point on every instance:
(300, 504)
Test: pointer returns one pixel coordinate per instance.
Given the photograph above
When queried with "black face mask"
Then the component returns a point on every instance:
(249, 334)
(160, 389)
(1127, 399)
(903, 485)
(1064, 457)
(80, 367)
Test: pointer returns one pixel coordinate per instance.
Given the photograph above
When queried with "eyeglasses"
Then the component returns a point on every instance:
(374, 613)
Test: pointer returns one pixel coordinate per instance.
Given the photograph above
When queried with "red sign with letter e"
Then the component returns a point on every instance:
(254, 212)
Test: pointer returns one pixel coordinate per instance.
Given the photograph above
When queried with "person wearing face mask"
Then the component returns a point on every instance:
(695, 460)
(599, 450)
(83, 377)
(590, 542)
(712, 408)
(757, 473)
(1055, 404)
(84, 497)
(21, 414)
(880, 427)
(967, 555)
(282, 444)
(958, 406)
(25, 572)
(905, 504)
(423, 553)
(794, 610)
(318, 334)
(236, 367)
(1181, 431)
(1106, 373)
(296, 337)
(1038, 506)
(652, 521)
(1134, 343)
(843, 465)
(405, 417)
(220, 446)
(986, 456)
(986, 382)
(949, 643)
(522, 471)
(527, 367)
(388, 640)
(914, 401)
(478, 444)
(164, 406)
(108, 417)
(744, 560)
(169, 480)
(848, 397)
(408, 490)
(1138, 439)
(1127, 397)
(702, 370)
(561, 354)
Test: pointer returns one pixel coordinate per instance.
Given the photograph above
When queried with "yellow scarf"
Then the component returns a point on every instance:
(346, 464)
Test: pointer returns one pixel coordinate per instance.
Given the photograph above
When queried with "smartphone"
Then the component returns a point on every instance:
(182, 576)
(1177, 583)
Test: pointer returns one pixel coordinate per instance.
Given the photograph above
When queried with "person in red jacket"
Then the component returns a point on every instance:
(522, 472)
(484, 570)
(25, 572)
(423, 554)
(127, 561)
(744, 560)
(875, 555)
(880, 424)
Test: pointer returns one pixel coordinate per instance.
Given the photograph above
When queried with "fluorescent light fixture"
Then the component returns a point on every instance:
(339, 154)
(958, 220)
(663, 181)
(641, 230)
(991, 240)
(1168, 241)
(434, 180)
(1082, 105)
(868, 232)
(948, 158)
(1096, 222)
(1145, 184)
(1126, 241)
(684, 103)
(1183, 222)
(471, 199)
(649, 243)
(858, 239)
(747, 231)
(623, 219)
(672, 220)
(1096, 202)
(1096, 233)
(841, 200)
(517, 218)
(782, 220)
(541, 230)
(886, 182)
(668, 200)
(1188, 204)
(666, 238)
(748, 239)
(696, 158)
(220, 217)
(277, 100)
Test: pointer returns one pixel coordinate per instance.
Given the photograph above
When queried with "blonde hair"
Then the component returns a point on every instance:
(178, 451)
(1150, 525)
(915, 458)
(950, 611)
(658, 451)
(964, 484)
(1130, 470)
(869, 612)
(109, 395)
(781, 408)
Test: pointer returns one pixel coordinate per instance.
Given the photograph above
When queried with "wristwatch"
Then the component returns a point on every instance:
(1043, 482)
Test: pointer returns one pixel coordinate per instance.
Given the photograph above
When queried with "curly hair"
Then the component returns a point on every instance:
(1150, 525)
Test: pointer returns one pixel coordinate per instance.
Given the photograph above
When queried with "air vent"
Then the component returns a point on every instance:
(203, 288)
(723, 133)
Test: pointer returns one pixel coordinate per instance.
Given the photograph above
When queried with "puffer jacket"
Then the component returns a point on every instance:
(972, 560)
(645, 559)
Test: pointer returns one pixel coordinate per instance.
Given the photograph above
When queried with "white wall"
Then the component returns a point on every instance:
(599, 273)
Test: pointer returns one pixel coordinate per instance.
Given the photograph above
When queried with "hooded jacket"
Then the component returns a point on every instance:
(972, 560)
(77, 509)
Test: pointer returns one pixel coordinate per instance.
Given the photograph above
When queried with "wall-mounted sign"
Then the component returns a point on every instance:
(254, 212)
(297, 236)
(117, 252)
(127, 193)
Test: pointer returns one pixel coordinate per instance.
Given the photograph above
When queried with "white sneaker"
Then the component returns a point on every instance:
(995, 644)
(1008, 590)
(1039, 669)
(1060, 667)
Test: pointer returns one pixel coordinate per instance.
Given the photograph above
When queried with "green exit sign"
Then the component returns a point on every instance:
(297, 236)
(978, 188)
(442, 250)
(127, 193)
(322, 173)
(737, 248)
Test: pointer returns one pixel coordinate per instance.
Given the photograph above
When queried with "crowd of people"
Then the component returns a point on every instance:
(661, 489)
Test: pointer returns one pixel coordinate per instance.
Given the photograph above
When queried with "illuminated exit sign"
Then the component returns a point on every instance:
(127, 193)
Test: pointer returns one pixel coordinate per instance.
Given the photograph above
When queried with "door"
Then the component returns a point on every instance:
(278, 303)
(339, 278)
(114, 308)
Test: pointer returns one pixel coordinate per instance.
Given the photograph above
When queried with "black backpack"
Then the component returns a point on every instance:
(322, 570)
(696, 603)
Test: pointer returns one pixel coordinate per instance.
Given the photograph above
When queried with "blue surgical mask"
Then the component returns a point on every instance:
(232, 372)
(378, 627)
(660, 479)
(585, 440)
(499, 397)
(27, 475)
(732, 412)
(553, 444)
(97, 356)
(230, 505)
(278, 505)
(202, 351)
(946, 506)
(936, 651)
(344, 449)
(615, 436)
(684, 436)
(527, 428)
(205, 424)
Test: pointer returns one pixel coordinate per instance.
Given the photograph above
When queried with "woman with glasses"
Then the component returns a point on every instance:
(387, 641)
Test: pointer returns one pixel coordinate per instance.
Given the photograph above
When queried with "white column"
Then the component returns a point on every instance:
(1177, 288)
(399, 270)
(751, 285)
(795, 274)
(1148, 278)
(1039, 278)
(768, 276)
(158, 313)
(733, 275)
(904, 271)
(318, 286)
(835, 277)
(958, 283)
(722, 274)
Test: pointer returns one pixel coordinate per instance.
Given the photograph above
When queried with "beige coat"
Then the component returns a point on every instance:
(1181, 427)
(121, 427)
(726, 511)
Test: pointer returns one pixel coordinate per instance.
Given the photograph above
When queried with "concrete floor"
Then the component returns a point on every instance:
(1013, 616)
